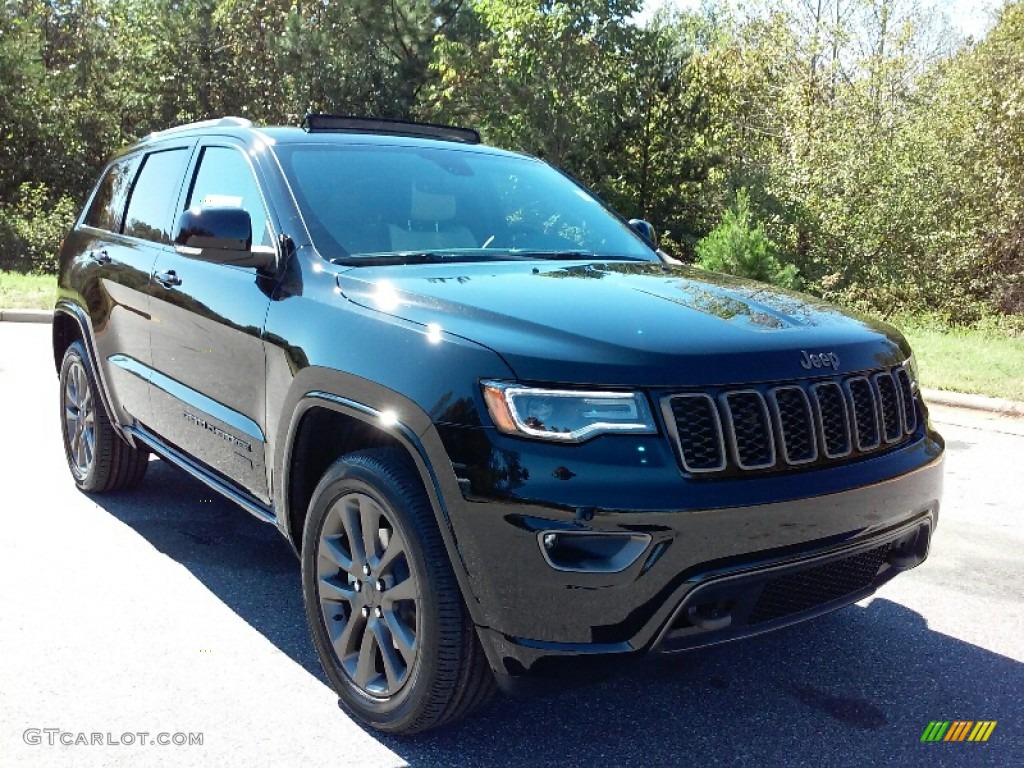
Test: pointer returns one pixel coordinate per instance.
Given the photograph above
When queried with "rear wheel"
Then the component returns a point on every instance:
(99, 459)
(383, 605)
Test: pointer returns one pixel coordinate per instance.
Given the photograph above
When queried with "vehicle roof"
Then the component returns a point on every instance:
(285, 135)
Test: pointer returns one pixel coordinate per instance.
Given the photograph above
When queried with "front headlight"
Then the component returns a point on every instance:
(565, 415)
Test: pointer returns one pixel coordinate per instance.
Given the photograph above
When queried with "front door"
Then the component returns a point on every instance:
(209, 383)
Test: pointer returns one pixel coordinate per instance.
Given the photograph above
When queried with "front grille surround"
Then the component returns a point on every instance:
(700, 450)
(907, 401)
(864, 409)
(833, 424)
(748, 429)
(890, 406)
(797, 442)
(790, 425)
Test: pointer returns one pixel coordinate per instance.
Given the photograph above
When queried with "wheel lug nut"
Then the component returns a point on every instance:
(378, 612)
(380, 585)
(366, 570)
(357, 585)
(366, 611)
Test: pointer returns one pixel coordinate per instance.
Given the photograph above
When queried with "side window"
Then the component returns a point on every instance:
(108, 203)
(224, 178)
(149, 208)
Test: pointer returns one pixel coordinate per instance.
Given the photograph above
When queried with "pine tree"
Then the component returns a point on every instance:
(739, 247)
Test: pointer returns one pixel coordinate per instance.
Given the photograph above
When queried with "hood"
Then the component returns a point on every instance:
(629, 324)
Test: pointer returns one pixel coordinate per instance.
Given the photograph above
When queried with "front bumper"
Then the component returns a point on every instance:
(704, 577)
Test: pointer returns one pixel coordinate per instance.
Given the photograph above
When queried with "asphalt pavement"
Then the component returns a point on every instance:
(170, 611)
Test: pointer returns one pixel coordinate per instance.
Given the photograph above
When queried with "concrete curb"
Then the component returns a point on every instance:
(996, 405)
(26, 315)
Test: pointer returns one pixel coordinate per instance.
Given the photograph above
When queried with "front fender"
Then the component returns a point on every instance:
(398, 417)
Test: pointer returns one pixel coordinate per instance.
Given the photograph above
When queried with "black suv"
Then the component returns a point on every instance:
(510, 440)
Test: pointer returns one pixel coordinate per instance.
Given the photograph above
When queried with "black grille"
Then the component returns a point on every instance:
(834, 419)
(749, 431)
(865, 415)
(791, 424)
(699, 433)
(907, 401)
(795, 423)
(805, 590)
(889, 405)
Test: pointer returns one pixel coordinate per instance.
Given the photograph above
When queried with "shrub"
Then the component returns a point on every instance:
(739, 247)
(31, 229)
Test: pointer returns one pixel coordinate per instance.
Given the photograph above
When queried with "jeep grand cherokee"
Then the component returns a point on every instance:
(508, 439)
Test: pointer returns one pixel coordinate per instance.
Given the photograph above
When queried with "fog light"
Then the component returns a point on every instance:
(592, 551)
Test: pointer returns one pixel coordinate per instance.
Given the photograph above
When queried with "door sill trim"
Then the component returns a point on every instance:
(250, 504)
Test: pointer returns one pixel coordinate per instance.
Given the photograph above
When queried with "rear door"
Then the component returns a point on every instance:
(127, 223)
(209, 392)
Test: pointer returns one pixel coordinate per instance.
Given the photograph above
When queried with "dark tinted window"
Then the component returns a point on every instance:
(225, 179)
(108, 204)
(149, 209)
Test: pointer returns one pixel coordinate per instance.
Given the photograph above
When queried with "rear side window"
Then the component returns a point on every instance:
(107, 205)
(154, 194)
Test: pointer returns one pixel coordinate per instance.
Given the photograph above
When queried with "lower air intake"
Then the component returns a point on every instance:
(804, 590)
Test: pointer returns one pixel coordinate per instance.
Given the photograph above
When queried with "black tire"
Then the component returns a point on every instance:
(447, 676)
(99, 458)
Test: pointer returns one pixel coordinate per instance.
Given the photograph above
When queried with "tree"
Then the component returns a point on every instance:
(542, 77)
(737, 246)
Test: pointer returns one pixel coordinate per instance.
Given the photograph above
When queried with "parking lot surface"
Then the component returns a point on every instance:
(170, 611)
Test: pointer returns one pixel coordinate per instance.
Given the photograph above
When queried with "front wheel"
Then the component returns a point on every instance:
(383, 604)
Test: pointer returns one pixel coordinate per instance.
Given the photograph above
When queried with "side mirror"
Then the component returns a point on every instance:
(645, 230)
(220, 236)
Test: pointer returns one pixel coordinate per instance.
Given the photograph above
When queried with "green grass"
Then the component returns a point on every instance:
(19, 291)
(979, 361)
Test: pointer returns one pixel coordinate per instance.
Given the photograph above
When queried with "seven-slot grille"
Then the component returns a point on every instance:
(793, 423)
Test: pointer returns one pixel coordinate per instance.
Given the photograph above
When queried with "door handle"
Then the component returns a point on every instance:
(100, 257)
(168, 279)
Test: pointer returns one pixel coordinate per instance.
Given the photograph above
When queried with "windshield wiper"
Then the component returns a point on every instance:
(388, 258)
(463, 255)
(567, 255)
(553, 255)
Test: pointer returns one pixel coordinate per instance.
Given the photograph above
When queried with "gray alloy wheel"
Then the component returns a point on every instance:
(79, 420)
(369, 596)
(384, 606)
(100, 460)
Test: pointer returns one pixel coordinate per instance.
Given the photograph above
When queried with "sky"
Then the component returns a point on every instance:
(972, 17)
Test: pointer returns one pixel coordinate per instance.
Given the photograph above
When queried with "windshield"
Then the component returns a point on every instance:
(392, 203)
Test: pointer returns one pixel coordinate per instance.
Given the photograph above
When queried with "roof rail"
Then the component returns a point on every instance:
(217, 122)
(321, 123)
